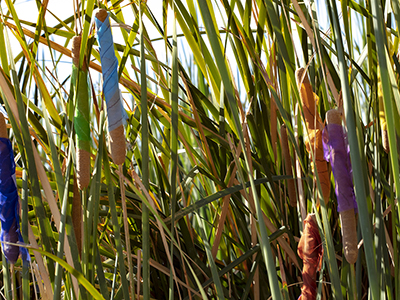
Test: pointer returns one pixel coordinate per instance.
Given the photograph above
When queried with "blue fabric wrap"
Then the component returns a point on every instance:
(116, 113)
(9, 205)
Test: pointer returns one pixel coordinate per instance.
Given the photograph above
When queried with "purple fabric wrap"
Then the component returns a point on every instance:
(9, 205)
(337, 152)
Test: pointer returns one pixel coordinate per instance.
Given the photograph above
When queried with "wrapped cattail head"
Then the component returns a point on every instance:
(313, 136)
(11, 252)
(116, 113)
(8, 201)
(81, 119)
(337, 152)
(310, 251)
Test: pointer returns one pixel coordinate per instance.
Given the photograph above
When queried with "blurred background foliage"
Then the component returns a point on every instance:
(207, 86)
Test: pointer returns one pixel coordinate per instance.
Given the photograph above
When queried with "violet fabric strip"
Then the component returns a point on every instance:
(109, 65)
(9, 204)
(336, 151)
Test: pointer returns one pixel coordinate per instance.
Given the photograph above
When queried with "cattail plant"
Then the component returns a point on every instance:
(335, 144)
(116, 114)
(202, 158)
(109, 64)
(310, 251)
(313, 139)
(82, 117)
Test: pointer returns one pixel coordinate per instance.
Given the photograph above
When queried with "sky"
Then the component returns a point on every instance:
(27, 10)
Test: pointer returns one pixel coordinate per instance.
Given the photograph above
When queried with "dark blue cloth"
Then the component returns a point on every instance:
(9, 204)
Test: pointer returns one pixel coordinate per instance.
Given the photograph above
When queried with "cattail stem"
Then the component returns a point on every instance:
(76, 215)
(291, 188)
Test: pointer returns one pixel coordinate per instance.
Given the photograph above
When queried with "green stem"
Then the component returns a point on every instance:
(174, 146)
(145, 163)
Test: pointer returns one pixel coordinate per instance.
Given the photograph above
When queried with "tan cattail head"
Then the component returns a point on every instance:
(385, 141)
(334, 116)
(82, 168)
(75, 50)
(77, 217)
(349, 235)
(101, 14)
(118, 145)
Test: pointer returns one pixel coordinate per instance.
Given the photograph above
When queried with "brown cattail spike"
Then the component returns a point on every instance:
(291, 188)
(75, 50)
(82, 168)
(3, 127)
(101, 14)
(117, 144)
(349, 235)
(77, 217)
(385, 140)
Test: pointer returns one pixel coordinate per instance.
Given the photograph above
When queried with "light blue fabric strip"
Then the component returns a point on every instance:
(109, 65)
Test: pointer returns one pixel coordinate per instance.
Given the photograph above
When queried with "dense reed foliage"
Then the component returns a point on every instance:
(211, 198)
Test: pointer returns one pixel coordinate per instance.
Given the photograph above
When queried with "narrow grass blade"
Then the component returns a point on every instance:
(116, 226)
(145, 162)
(173, 144)
(79, 276)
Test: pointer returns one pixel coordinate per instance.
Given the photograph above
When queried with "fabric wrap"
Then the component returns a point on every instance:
(337, 152)
(9, 205)
(82, 112)
(310, 250)
(116, 113)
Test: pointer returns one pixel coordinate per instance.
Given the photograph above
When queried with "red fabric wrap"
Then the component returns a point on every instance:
(310, 251)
